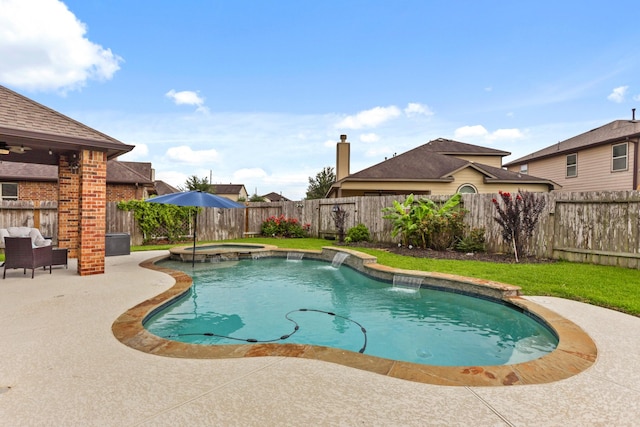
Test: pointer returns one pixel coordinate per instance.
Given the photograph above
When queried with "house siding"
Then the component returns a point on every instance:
(465, 176)
(594, 170)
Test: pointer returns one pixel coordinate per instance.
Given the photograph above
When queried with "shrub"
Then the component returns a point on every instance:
(518, 218)
(284, 227)
(473, 241)
(426, 223)
(359, 233)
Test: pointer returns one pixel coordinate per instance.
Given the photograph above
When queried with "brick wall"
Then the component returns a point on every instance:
(37, 191)
(93, 220)
(120, 192)
(68, 207)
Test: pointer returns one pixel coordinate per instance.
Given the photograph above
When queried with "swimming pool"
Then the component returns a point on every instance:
(313, 302)
(574, 353)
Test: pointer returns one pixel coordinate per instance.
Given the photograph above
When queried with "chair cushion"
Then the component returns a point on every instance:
(3, 233)
(37, 240)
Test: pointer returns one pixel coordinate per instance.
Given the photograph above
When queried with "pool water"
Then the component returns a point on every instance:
(311, 302)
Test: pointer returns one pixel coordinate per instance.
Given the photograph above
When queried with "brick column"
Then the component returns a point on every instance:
(68, 205)
(93, 206)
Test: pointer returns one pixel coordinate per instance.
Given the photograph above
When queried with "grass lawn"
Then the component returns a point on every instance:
(612, 287)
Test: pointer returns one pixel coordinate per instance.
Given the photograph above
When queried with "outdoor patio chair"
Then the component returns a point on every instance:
(20, 253)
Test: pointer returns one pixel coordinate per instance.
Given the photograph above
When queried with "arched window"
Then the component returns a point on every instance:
(467, 189)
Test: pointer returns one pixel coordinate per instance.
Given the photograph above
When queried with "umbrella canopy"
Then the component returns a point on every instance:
(198, 199)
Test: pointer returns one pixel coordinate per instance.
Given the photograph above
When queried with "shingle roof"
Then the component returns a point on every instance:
(117, 172)
(449, 146)
(129, 172)
(275, 197)
(15, 171)
(426, 163)
(26, 122)
(228, 188)
(163, 188)
(615, 131)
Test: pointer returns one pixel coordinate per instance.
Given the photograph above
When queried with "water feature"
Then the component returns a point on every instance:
(406, 283)
(338, 259)
(295, 256)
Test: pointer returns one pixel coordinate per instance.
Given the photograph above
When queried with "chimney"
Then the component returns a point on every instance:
(342, 158)
(633, 114)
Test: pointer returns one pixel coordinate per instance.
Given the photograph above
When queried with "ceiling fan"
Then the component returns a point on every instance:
(18, 149)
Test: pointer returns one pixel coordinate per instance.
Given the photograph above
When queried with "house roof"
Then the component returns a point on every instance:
(618, 130)
(431, 161)
(427, 163)
(24, 122)
(163, 188)
(228, 188)
(129, 172)
(275, 197)
(117, 172)
(449, 146)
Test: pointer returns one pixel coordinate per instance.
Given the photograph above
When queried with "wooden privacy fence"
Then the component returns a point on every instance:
(595, 227)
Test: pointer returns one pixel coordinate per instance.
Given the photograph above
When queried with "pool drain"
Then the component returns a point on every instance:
(282, 337)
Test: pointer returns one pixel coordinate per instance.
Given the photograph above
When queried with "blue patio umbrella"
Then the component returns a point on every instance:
(198, 199)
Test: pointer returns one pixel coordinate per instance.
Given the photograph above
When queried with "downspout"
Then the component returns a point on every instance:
(635, 164)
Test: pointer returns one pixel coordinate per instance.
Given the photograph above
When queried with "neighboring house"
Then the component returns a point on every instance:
(233, 192)
(274, 197)
(605, 158)
(163, 188)
(35, 182)
(439, 167)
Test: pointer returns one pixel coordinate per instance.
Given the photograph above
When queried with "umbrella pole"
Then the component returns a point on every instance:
(195, 227)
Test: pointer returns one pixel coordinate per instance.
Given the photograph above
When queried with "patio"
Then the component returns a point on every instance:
(62, 365)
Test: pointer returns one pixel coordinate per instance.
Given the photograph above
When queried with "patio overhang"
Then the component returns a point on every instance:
(45, 148)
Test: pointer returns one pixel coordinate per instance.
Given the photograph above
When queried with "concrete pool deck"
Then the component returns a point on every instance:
(61, 365)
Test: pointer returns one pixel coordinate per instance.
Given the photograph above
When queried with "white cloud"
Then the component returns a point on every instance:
(184, 154)
(370, 118)
(479, 131)
(369, 137)
(470, 131)
(187, 97)
(505, 134)
(141, 151)
(618, 94)
(416, 109)
(242, 175)
(177, 179)
(43, 47)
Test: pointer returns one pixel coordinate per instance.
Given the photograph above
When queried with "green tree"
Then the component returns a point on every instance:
(256, 198)
(194, 183)
(320, 185)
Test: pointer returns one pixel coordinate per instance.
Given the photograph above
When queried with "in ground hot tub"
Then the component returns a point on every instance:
(219, 252)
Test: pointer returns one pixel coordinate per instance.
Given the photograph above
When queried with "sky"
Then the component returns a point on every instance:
(258, 92)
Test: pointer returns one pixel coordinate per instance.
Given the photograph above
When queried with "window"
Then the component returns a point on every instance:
(9, 191)
(524, 169)
(619, 157)
(467, 189)
(572, 165)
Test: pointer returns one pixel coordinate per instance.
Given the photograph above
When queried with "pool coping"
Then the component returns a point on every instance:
(575, 353)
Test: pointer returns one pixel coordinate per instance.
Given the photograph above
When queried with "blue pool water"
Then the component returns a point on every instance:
(272, 298)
